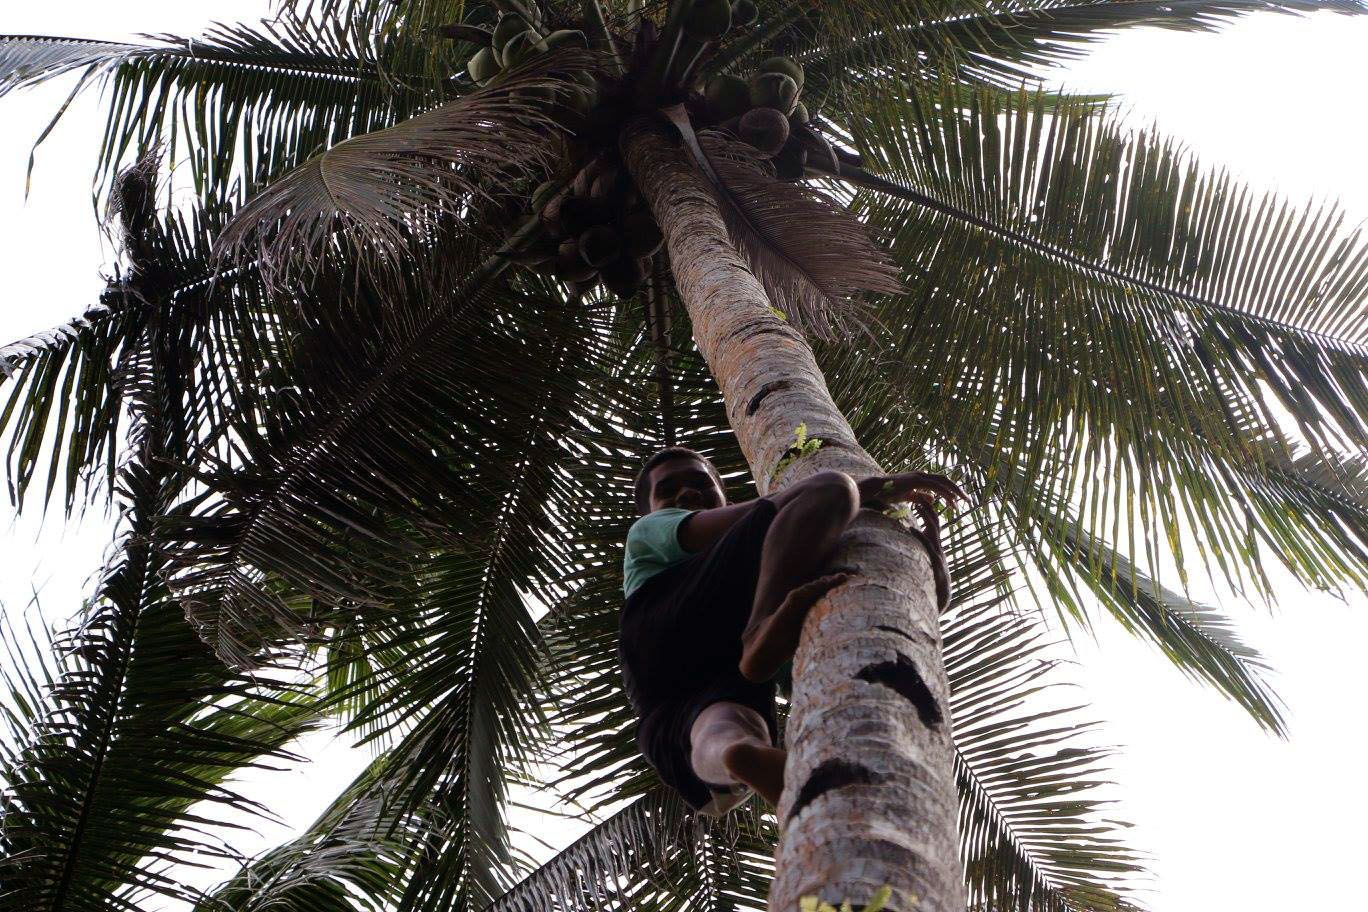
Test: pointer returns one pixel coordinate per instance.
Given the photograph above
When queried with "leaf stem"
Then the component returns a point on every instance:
(597, 27)
(662, 58)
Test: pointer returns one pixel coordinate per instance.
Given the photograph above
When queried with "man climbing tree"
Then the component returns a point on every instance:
(716, 598)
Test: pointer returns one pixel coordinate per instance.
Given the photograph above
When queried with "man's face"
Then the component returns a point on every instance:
(686, 483)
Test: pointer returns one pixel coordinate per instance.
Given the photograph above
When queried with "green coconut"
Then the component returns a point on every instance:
(579, 214)
(510, 25)
(482, 66)
(598, 245)
(577, 271)
(607, 184)
(569, 265)
(765, 128)
(790, 162)
(708, 20)
(623, 276)
(640, 233)
(521, 48)
(774, 90)
(786, 65)
(744, 12)
(730, 95)
(585, 178)
(567, 38)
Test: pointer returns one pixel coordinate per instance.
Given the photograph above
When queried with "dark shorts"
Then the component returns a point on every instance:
(679, 644)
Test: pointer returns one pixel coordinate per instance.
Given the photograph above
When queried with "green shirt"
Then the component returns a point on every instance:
(652, 546)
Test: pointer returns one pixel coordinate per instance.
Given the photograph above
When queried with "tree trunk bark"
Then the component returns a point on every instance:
(869, 796)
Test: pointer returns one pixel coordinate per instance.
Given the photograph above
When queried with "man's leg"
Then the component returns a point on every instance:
(801, 541)
(731, 744)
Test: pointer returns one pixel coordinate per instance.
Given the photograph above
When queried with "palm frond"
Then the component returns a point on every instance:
(424, 827)
(1085, 306)
(21, 352)
(67, 386)
(137, 722)
(651, 856)
(1070, 570)
(1199, 640)
(813, 258)
(350, 858)
(1006, 44)
(1343, 479)
(1131, 207)
(1034, 834)
(63, 378)
(414, 28)
(1009, 45)
(472, 659)
(243, 102)
(356, 478)
(29, 59)
(467, 662)
(251, 519)
(379, 189)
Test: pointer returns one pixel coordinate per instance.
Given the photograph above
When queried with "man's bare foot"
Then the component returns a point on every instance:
(765, 649)
(759, 766)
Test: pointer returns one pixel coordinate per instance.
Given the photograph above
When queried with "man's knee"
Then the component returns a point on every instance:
(729, 720)
(831, 495)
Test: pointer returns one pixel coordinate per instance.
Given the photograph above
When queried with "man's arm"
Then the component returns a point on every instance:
(701, 529)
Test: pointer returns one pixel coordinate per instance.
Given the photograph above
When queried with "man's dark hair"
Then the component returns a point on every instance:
(643, 479)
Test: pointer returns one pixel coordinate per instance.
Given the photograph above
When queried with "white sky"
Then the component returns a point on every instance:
(1234, 819)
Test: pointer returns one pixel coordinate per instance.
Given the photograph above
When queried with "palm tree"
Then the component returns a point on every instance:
(385, 415)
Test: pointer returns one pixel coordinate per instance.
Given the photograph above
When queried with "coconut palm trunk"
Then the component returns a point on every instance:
(869, 794)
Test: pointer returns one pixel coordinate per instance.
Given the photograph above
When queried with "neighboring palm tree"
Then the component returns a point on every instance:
(112, 744)
(396, 412)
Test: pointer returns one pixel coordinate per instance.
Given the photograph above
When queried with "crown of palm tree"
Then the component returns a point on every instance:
(360, 422)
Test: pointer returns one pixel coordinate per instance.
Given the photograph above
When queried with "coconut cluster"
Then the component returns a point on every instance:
(598, 229)
(765, 112)
(513, 42)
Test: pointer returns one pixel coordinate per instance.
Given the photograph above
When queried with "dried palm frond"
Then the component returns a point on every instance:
(377, 191)
(812, 257)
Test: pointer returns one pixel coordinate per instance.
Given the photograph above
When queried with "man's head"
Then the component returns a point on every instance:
(678, 477)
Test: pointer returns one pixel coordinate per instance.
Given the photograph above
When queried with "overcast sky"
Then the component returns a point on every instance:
(1233, 819)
